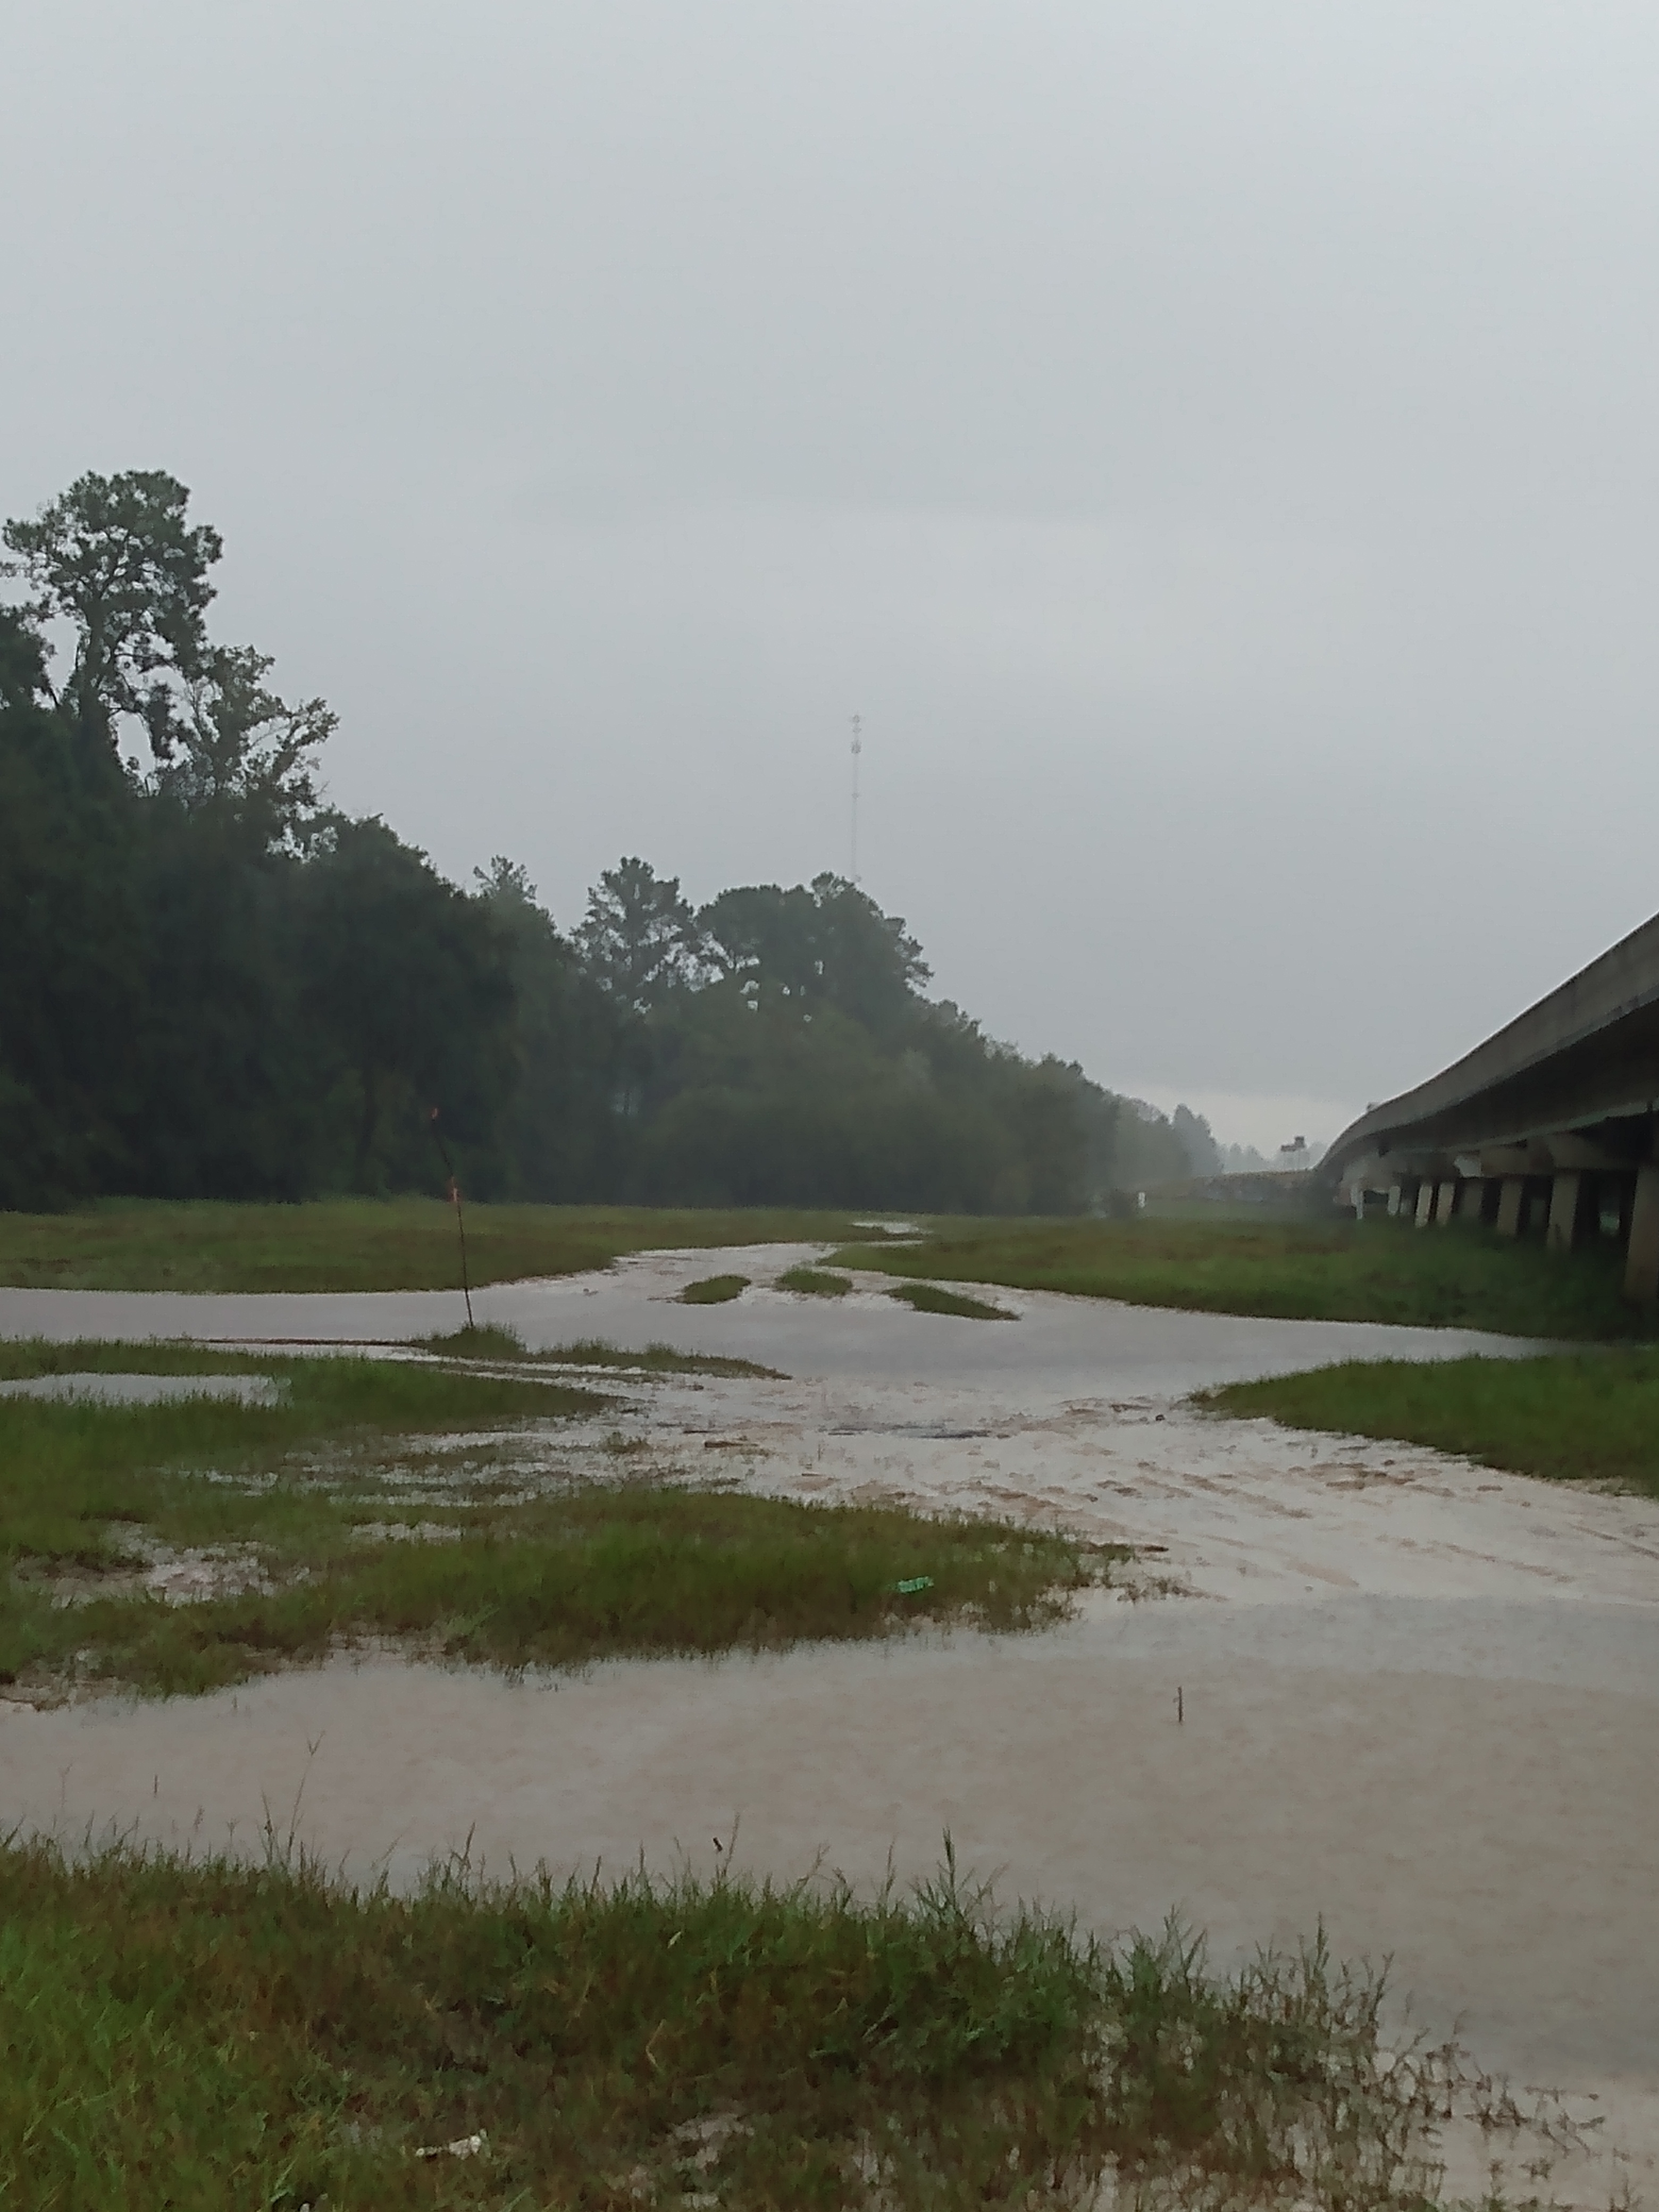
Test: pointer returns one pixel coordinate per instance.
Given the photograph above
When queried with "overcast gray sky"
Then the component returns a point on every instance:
(1213, 445)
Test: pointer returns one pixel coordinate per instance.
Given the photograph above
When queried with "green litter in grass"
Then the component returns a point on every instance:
(915, 1583)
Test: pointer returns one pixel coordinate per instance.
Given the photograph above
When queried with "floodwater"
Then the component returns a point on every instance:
(1403, 1694)
(1080, 1344)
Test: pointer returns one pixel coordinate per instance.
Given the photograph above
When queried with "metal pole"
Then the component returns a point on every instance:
(454, 1195)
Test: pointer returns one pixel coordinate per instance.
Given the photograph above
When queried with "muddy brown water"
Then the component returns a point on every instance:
(1418, 1701)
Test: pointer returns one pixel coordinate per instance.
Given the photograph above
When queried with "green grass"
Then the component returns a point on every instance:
(1379, 1271)
(814, 1283)
(1296, 1268)
(506, 1345)
(21, 1357)
(440, 1509)
(477, 1341)
(1579, 1417)
(928, 1297)
(714, 1290)
(364, 1244)
(209, 2035)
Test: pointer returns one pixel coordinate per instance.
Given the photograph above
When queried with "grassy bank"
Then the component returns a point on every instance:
(361, 1244)
(486, 1341)
(199, 2037)
(1298, 1268)
(1591, 1417)
(453, 1512)
(1379, 1271)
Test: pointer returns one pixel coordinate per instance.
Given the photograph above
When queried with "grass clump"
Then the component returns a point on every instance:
(1576, 1417)
(930, 1298)
(657, 1360)
(22, 1358)
(506, 1345)
(477, 1341)
(604, 1571)
(192, 2035)
(714, 1290)
(1457, 1277)
(366, 1245)
(814, 1283)
(277, 1505)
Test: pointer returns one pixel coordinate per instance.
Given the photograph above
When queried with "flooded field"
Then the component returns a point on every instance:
(1358, 1683)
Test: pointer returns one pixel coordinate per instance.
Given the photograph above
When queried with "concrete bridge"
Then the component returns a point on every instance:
(1548, 1128)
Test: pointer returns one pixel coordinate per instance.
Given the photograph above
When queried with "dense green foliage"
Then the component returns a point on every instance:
(216, 988)
(226, 2034)
(1306, 1269)
(1591, 1417)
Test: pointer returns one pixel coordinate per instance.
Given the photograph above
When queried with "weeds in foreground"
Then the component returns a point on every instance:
(194, 2036)
(1584, 1417)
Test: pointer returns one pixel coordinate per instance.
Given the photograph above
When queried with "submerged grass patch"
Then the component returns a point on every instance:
(1383, 1271)
(714, 1290)
(547, 1565)
(1579, 1417)
(814, 1283)
(506, 1345)
(366, 1245)
(605, 1571)
(193, 2036)
(930, 1297)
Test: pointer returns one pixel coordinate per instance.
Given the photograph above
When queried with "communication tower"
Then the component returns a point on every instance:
(857, 748)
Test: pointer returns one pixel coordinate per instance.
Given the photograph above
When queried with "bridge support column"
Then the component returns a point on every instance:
(1445, 1198)
(1394, 1199)
(1642, 1254)
(1509, 1205)
(1471, 1199)
(1425, 1212)
(1562, 1228)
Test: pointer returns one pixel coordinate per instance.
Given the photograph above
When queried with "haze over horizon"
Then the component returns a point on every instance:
(1213, 449)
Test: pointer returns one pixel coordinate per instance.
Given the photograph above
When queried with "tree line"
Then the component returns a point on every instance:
(215, 985)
